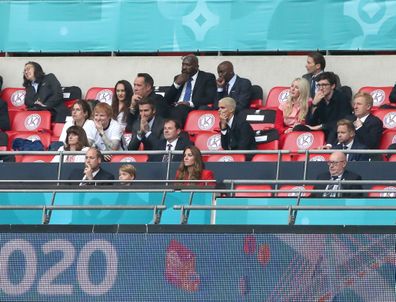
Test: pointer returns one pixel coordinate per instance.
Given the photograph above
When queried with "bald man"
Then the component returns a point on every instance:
(231, 85)
(337, 171)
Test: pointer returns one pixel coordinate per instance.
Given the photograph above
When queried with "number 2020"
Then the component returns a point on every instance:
(45, 285)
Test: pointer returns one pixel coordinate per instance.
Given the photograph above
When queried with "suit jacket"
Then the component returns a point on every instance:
(347, 175)
(4, 118)
(78, 174)
(49, 92)
(150, 141)
(392, 96)
(240, 136)
(204, 91)
(371, 131)
(182, 142)
(240, 92)
(356, 145)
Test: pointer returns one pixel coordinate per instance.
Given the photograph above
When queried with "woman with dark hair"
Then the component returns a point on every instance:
(76, 140)
(121, 101)
(81, 114)
(43, 92)
(192, 167)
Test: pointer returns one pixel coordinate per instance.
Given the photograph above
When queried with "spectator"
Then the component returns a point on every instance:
(81, 114)
(148, 129)
(121, 102)
(43, 92)
(92, 170)
(76, 140)
(295, 109)
(346, 140)
(236, 132)
(192, 89)
(392, 96)
(107, 131)
(192, 167)
(230, 84)
(127, 173)
(4, 126)
(143, 87)
(337, 171)
(173, 140)
(328, 106)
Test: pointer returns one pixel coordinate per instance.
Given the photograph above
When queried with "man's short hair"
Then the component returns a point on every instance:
(148, 79)
(97, 152)
(327, 75)
(230, 102)
(128, 168)
(366, 96)
(147, 101)
(104, 107)
(177, 122)
(318, 58)
(347, 123)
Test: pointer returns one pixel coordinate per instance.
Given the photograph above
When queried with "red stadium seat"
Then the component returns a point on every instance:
(3, 148)
(31, 121)
(268, 118)
(274, 145)
(253, 194)
(45, 137)
(14, 97)
(256, 104)
(226, 158)
(208, 141)
(129, 158)
(56, 131)
(101, 94)
(293, 188)
(380, 94)
(296, 140)
(201, 121)
(34, 158)
(388, 191)
(388, 137)
(312, 157)
(276, 96)
(270, 157)
(387, 116)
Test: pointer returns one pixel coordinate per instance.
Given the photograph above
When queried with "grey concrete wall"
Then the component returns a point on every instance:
(267, 71)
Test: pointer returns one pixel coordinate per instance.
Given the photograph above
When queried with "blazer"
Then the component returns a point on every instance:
(204, 91)
(371, 131)
(49, 92)
(347, 175)
(78, 174)
(240, 92)
(4, 117)
(182, 142)
(392, 96)
(356, 145)
(240, 136)
(148, 142)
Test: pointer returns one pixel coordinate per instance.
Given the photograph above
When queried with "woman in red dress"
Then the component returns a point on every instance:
(192, 167)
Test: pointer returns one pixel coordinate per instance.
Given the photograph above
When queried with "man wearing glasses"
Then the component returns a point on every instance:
(328, 106)
(337, 171)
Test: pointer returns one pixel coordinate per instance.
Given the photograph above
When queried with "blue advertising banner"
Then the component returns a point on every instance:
(196, 267)
(189, 25)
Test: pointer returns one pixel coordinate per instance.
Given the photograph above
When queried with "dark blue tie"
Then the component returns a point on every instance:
(313, 87)
(187, 93)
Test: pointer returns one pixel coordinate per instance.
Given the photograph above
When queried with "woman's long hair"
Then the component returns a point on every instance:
(197, 167)
(303, 87)
(128, 99)
(82, 138)
(38, 73)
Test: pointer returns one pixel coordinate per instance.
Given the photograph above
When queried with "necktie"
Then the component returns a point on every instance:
(331, 188)
(226, 89)
(187, 93)
(345, 147)
(165, 158)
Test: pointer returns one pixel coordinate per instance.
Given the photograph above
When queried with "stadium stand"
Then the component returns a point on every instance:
(102, 94)
(276, 96)
(380, 95)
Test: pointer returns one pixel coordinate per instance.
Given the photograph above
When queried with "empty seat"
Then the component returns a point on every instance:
(44, 137)
(208, 141)
(102, 94)
(14, 97)
(380, 94)
(293, 189)
(31, 121)
(201, 121)
(129, 158)
(274, 145)
(387, 116)
(296, 140)
(276, 96)
(226, 157)
(271, 157)
(312, 157)
(56, 131)
(34, 158)
(253, 194)
(71, 95)
(387, 191)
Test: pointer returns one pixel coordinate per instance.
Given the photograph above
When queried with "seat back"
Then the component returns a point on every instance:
(34, 158)
(201, 121)
(297, 140)
(388, 137)
(128, 158)
(14, 97)
(208, 141)
(44, 137)
(253, 194)
(31, 121)
(380, 94)
(388, 191)
(292, 188)
(102, 94)
(226, 158)
(270, 157)
(312, 157)
(276, 96)
(387, 116)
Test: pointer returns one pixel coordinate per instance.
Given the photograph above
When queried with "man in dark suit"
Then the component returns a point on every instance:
(229, 84)
(4, 126)
(236, 132)
(346, 140)
(143, 88)
(337, 171)
(173, 140)
(192, 89)
(92, 170)
(148, 128)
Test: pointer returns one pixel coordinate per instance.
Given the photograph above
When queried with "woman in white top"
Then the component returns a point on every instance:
(81, 114)
(121, 102)
(76, 140)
